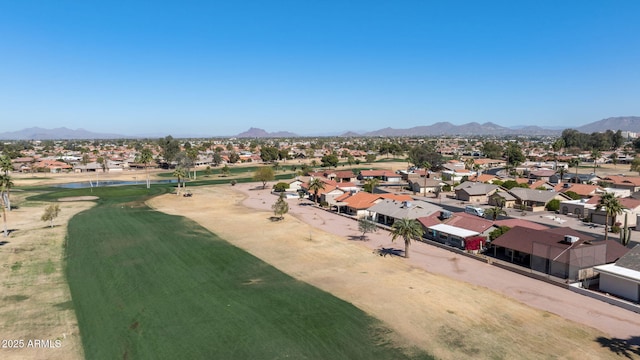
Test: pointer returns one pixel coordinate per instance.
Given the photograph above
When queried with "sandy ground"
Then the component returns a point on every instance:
(447, 304)
(35, 303)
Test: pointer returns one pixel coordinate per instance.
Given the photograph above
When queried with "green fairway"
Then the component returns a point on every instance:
(146, 285)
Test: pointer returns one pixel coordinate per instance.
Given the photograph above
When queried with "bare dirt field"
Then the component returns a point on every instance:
(456, 316)
(38, 321)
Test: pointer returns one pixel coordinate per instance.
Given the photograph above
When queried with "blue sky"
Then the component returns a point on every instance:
(314, 67)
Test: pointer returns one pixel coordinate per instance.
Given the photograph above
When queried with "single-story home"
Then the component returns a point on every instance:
(535, 200)
(560, 252)
(623, 277)
(475, 192)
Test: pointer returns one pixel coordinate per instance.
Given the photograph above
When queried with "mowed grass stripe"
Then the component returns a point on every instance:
(147, 285)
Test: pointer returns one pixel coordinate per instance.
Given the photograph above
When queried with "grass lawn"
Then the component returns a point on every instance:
(146, 285)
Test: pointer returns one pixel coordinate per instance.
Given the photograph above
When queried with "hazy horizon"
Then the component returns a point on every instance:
(220, 68)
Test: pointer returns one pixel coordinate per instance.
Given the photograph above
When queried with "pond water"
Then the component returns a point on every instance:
(102, 183)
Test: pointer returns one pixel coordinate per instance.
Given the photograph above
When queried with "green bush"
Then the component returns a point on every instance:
(553, 205)
(280, 187)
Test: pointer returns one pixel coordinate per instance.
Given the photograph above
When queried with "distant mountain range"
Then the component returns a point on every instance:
(624, 123)
(61, 133)
(259, 133)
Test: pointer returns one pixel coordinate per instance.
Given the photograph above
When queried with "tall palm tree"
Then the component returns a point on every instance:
(5, 164)
(612, 207)
(575, 162)
(145, 157)
(407, 229)
(426, 165)
(5, 185)
(316, 185)
(595, 155)
(180, 174)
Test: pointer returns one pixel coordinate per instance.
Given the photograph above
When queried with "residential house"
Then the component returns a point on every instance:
(420, 184)
(581, 208)
(382, 175)
(475, 192)
(387, 211)
(582, 178)
(356, 204)
(483, 178)
(543, 174)
(584, 190)
(511, 223)
(560, 252)
(535, 200)
(449, 235)
(53, 166)
(540, 184)
(502, 198)
(622, 278)
(489, 163)
(630, 211)
(631, 183)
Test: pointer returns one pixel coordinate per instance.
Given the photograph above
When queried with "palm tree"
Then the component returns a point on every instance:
(611, 206)
(316, 185)
(426, 165)
(407, 229)
(575, 162)
(371, 184)
(5, 164)
(5, 185)
(179, 173)
(468, 164)
(595, 155)
(145, 158)
(192, 154)
(495, 211)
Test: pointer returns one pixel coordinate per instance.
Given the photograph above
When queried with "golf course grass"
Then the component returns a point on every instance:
(147, 285)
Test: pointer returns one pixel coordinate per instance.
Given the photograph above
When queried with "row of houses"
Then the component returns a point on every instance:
(527, 243)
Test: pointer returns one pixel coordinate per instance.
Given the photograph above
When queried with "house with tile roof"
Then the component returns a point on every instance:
(630, 210)
(584, 190)
(357, 204)
(622, 278)
(631, 183)
(522, 223)
(560, 252)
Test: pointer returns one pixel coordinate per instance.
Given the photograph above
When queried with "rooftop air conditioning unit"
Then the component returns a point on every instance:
(571, 239)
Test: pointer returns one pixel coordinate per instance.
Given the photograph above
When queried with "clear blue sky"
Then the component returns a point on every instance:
(314, 66)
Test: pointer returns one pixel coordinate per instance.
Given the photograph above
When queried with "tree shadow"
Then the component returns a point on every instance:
(3, 242)
(358, 238)
(389, 251)
(629, 348)
(276, 218)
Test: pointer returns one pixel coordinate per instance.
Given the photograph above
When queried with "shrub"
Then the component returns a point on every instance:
(280, 187)
(553, 205)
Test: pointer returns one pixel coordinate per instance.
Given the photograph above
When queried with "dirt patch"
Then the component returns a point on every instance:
(78, 198)
(36, 303)
(448, 318)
